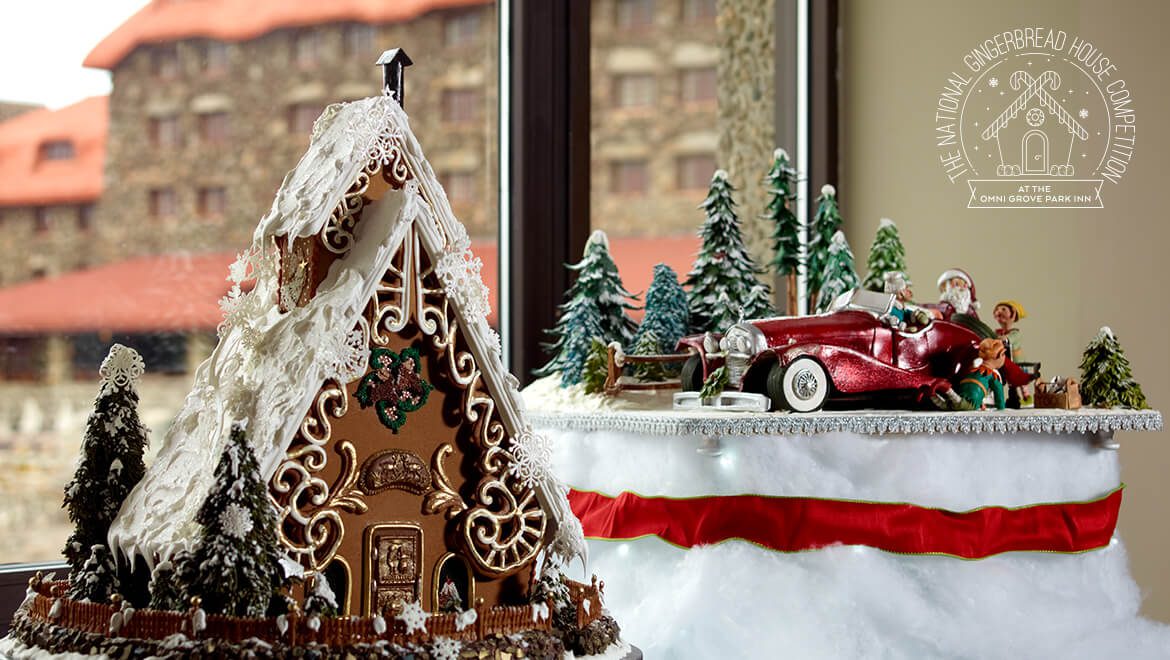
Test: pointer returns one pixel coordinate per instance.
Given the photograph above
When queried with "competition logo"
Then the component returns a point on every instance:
(1035, 118)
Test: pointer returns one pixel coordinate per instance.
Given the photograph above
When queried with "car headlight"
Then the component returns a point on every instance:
(710, 345)
(744, 339)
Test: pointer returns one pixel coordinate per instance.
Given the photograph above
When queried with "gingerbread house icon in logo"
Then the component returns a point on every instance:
(1043, 140)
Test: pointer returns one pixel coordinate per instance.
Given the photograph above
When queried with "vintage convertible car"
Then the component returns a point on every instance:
(857, 348)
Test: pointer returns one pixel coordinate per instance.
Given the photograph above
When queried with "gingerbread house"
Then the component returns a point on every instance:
(355, 347)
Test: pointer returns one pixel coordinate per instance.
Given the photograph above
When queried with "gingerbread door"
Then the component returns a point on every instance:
(392, 567)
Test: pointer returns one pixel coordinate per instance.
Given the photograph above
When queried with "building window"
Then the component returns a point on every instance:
(213, 128)
(697, 85)
(629, 177)
(212, 202)
(633, 90)
(634, 14)
(57, 150)
(164, 132)
(358, 40)
(306, 47)
(162, 203)
(85, 217)
(39, 273)
(460, 105)
(694, 172)
(698, 11)
(164, 61)
(213, 57)
(301, 117)
(40, 221)
(459, 186)
(461, 28)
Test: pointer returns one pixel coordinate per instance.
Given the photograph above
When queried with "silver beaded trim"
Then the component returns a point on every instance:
(871, 423)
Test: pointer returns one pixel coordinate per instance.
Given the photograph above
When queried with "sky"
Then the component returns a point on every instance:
(42, 45)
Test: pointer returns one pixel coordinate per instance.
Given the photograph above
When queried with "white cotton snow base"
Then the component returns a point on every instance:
(737, 600)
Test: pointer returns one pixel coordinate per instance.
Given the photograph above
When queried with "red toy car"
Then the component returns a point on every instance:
(856, 348)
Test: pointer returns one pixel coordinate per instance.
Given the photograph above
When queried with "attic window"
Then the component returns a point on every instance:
(57, 150)
(164, 61)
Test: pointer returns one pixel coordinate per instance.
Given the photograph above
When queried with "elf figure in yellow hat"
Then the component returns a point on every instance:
(1007, 313)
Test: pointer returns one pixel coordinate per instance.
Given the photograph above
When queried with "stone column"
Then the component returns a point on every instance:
(58, 358)
(745, 78)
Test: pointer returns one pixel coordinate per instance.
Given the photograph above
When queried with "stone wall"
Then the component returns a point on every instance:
(60, 245)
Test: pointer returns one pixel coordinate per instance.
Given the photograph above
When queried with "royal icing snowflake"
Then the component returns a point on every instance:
(459, 271)
(445, 648)
(532, 455)
(373, 130)
(235, 521)
(414, 617)
(121, 368)
(346, 356)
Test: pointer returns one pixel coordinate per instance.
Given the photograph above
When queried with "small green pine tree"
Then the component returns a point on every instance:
(320, 599)
(596, 367)
(825, 224)
(597, 292)
(781, 184)
(111, 462)
(1106, 377)
(648, 345)
(236, 567)
(723, 269)
(839, 275)
(885, 256)
(758, 304)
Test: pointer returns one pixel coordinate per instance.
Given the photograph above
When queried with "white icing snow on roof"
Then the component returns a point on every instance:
(269, 365)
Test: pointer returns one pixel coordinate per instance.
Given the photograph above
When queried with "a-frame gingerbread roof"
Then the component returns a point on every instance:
(271, 361)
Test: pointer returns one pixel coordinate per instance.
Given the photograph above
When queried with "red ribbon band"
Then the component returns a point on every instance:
(790, 524)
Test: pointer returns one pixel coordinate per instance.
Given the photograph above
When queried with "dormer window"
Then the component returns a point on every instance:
(57, 150)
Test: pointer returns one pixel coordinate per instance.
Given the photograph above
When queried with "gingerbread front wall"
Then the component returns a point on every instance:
(400, 458)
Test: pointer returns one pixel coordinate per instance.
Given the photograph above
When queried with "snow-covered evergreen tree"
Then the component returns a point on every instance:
(781, 183)
(648, 344)
(1106, 377)
(320, 599)
(824, 225)
(839, 274)
(723, 270)
(111, 461)
(235, 567)
(667, 315)
(578, 327)
(599, 284)
(97, 579)
(885, 256)
(165, 593)
(758, 304)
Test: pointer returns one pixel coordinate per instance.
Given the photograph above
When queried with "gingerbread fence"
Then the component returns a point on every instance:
(96, 618)
(586, 599)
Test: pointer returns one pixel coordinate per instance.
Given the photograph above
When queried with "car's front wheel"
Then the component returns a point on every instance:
(691, 376)
(802, 386)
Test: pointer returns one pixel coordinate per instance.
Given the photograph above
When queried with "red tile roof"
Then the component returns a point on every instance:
(182, 292)
(27, 179)
(236, 20)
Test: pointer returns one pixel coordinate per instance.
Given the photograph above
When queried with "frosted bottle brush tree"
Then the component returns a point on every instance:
(786, 245)
(824, 225)
(235, 567)
(723, 275)
(1106, 377)
(667, 316)
(839, 274)
(595, 306)
(886, 255)
(111, 462)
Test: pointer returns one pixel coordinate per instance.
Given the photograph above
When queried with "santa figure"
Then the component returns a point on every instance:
(956, 295)
(449, 598)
